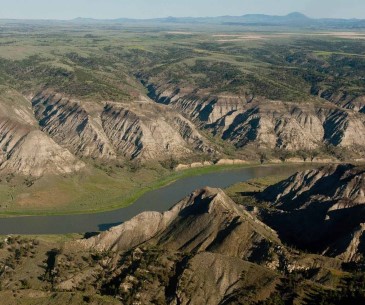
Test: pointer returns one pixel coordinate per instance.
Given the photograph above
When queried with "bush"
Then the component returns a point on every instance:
(170, 163)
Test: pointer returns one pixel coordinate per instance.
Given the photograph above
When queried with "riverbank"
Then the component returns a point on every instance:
(158, 200)
(222, 162)
(125, 200)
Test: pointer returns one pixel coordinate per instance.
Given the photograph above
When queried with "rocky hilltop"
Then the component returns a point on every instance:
(321, 210)
(207, 220)
(209, 250)
(204, 241)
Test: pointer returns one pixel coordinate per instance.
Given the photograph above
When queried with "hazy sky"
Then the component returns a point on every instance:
(68, 9)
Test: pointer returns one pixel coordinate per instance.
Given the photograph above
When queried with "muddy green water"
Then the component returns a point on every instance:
(158, 200)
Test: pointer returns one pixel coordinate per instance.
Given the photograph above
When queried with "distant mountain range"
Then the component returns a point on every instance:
(294, 19)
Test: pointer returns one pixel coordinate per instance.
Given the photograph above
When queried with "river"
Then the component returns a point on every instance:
(157, 200)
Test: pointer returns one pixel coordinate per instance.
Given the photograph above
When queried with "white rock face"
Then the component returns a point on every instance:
(24, 148)
(72, 126)
(147, 130)
(242, 120)
(50, 133)
(151, 131)
(36, 154)
(139, 129)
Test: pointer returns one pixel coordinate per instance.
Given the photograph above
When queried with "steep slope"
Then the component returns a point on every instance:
(202, 251)
(36, 154)
(159, 277)
(72, 126)
(138, 129)
(346, 184)
(56, 129)
(26, 150)
(149, 131)
(343, 99)
(246, 119)
(208, 220)
(205, 250)
(321, 210)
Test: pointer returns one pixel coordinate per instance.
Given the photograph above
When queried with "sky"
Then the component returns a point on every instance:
(110, 9)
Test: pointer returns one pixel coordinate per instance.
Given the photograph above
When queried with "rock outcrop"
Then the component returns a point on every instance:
(149, 131)
(207, 220)
(139, 129)
(72, 126)
(242, 120)
(343, 99)
(205, 250)
(321, 210)
(146, 130)
(36, 155)
(26, 150)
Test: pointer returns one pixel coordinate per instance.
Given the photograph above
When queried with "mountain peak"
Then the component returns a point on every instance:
(206, 220)
(297, 15)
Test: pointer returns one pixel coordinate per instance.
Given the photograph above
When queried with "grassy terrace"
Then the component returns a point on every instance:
(101, 193)
(90, 193)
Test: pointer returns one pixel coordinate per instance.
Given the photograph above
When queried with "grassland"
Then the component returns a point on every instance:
(97, 191)
(89, 192)
(99, 63)
(95, 62)
(243, 193)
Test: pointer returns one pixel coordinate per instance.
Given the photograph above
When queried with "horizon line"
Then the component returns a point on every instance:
(174, 17)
